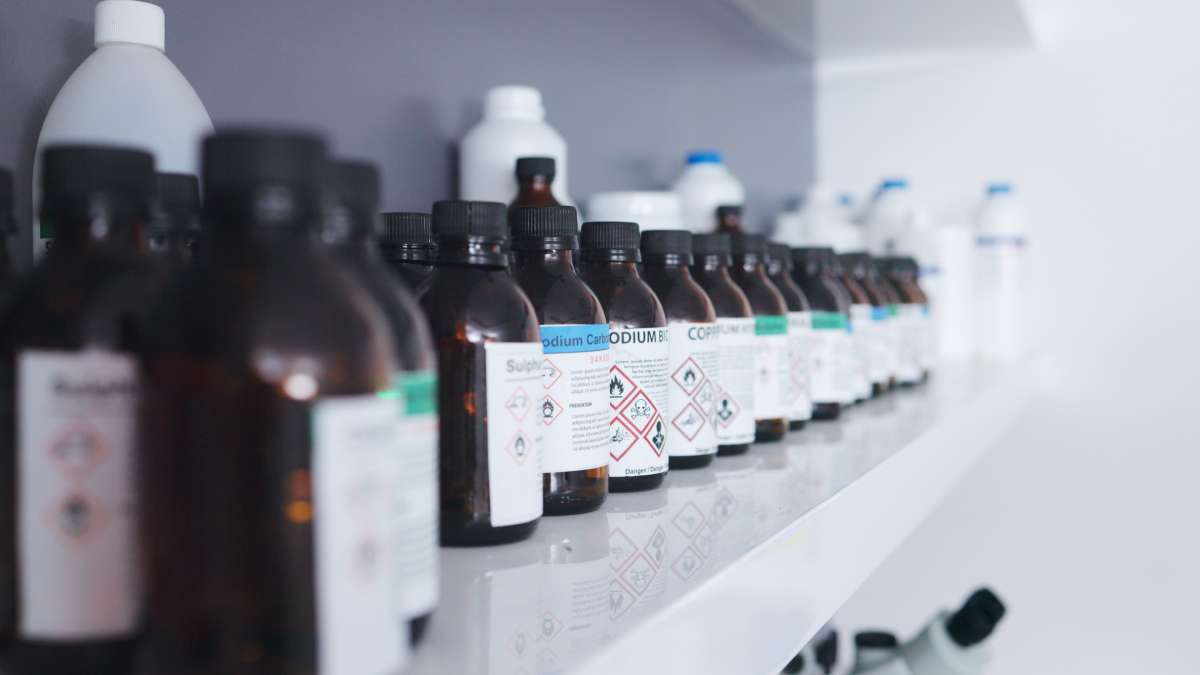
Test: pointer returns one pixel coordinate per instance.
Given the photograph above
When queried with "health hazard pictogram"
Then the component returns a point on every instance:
(689, 421)
(656, 436)
(620, 599)
(551, 409)
(519, 447)
(688, 376)
(640, 411)
(621, 439)
(727, 409)
(551, 626)
(620, 388)
(77, 518)
(550, 374)
(519, 404)
(78, 449)
(638, 575)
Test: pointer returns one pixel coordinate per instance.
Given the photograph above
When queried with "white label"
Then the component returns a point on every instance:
(638, 557)
(733, 415)
(416, 494)
(830, 358)
(691, 391)
(911, 329)
(356, 470)
(879, 362)
(770, 367)
(637, 400)
(860, 332)
(514, 435)
(799, 334)
(575, 411)
(78, 571)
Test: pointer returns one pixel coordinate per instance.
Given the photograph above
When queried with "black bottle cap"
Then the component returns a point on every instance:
(610, 239)
(854, 263)
(528, 167)
(660, 243)
(729, 211)
(875, 639)
(263, 178)
(469, 219)
(813, 258)
(532, 226)
(779, 254)
(354, 195)
(796, 665)
(177, 198)
(748, 244)
(404, 228)
(826, 651)
(712, 244)
(976, 619)
(7, 222)
(77, 177)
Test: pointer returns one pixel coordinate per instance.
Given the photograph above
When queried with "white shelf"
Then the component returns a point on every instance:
(729, 569)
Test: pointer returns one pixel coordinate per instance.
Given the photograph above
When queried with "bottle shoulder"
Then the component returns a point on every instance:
(792, 295)
(729, 300)
(414, 346)
(821, 294)
(628, 302)
(477, 304)
(763, 296)
(560, 297)
(682, 298)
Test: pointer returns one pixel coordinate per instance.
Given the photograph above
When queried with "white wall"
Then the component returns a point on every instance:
(1087, 518)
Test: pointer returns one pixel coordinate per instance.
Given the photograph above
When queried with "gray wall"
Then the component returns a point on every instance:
(631, 84)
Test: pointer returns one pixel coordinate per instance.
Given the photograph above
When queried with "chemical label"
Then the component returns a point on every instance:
(514, 431)
(637, 400)
(880, 349)
(355, 473)
(691, 391)
(575, 410)
(416, 493)
(861, 332)
(79, 577)
(771, 388)
(911, 328)
(827, 357)
(799, 334)
(733, 416)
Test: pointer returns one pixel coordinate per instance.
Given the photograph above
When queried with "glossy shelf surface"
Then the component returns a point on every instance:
(727, 569)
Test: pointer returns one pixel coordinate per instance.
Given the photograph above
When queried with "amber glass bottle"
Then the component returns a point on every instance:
(873, 321)
(349, 231)
(860, 328)
(577, 360)
(70, 583)
(770, 336)
(489, 355)
(779, 271)
(829, 365)
(267, 452)
(692, 329)
(535, 175)
(734, 405)
(638, 338)
(729, 219)
(913, 316)
(175, 226)
(8, 226)
(406, 244)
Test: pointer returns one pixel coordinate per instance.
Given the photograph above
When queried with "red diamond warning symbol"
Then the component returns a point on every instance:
(656, 436)
(621, 438)
(77, 518)
(551, 627)
(688, 376)
(639, 575)
(689, 421)
(656, 548)
(640, 411)
(689, 520)
(519, 447)
(727, 409)
(704, 541)
(519, 404)
(620, 548)
(78, 449)
(687, 564)
(620, 387)
(519, 642)
(620, 599)
(551, 409)
(704, 397)
(550, 374)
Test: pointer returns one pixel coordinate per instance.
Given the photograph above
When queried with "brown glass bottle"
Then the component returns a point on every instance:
(70, 582)
(878, 274)
(729, 219)
(8, 226)
(692, 323)
(535, 176)
(175, 226)
(349, 232)
(406, 245)
(860, 318)
(813, 273)
(857, 266)
(267, 435)
(734, 411)
(903, 273)
(485, 333)
(638, 337)
(779, 271)
(574, 334)
(771, 325)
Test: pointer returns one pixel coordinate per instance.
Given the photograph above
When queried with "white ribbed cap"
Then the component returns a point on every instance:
(131, 21)
(514, 100)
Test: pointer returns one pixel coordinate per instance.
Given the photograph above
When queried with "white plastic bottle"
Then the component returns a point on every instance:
(1001, 276)
(127, 93)
(650, 209)
(815, 223)
(951, 644)
(888, 215)
(513, 126)
(705, 184)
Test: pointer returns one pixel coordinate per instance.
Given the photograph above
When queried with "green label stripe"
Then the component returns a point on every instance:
(774, 324)
(829, 321)
(893, 310)
(417, 391)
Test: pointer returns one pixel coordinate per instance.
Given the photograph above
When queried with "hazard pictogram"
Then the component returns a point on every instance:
(703, 540)
(551, 409)
(689, 520)
(620, 388)
(621, 438)
(688, 376)
(519, 404)
(78, 449)
(656, 436)
(640, 411)
(727, 409)
(77, 518)
(620, 548)
(620, 599)
(550, 374)
(519, 642)
(723, 508)
(689, 421)
(519, 447)
(704, 397)
(687, 564)
(551, 626)
(639, 575)
(656, 548)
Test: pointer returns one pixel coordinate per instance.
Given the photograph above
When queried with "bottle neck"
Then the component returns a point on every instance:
(617, 269)
(553, 261)
(750, 265)
(672, 267)
(713, 266)
(86, 234)
(535, 191)
(472, 251)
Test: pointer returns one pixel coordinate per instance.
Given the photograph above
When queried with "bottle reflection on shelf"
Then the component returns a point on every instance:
(639, 553)
(574, 583)
(692, 496)
(733, 508)
(774, 485)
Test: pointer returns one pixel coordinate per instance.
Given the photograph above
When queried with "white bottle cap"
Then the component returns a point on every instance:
(130, 21)
(515, 101)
